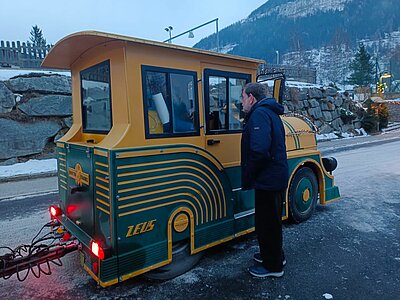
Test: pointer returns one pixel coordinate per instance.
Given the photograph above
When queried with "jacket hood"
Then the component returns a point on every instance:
(271, 104)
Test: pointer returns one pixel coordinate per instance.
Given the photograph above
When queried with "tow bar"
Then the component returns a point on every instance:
(37, 257)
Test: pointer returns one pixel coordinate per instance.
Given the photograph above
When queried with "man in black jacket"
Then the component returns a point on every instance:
(265, 169)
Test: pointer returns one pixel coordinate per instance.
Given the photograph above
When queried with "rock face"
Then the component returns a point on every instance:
(40, 83)
(324, 106)
(21, 139)
(7, 99)
(51, 105)
(34, 108)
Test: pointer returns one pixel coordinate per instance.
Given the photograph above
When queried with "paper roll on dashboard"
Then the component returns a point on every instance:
(161, 108)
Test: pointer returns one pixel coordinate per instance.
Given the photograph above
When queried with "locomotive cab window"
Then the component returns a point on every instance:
(96, 98)
(223, 104)
(170, 101)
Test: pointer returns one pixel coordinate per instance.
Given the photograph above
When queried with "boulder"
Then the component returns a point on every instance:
(297, 95)
(48, 106)
(7, 99)
(330, 92)
(315, 112)
(325, 128)
(337, 124)
(21, 139)
(318, 123)
(68, 122)
(327, 116)
(43, 83)
(338, 101)
(324, 105)
(314, 93)
(357, 125)
(313, 103)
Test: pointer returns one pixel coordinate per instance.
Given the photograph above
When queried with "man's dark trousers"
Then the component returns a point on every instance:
(268, 225)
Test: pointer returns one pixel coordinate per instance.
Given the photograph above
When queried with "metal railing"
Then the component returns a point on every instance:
(295, 73)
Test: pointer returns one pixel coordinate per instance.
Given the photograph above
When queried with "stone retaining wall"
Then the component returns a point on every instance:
(394, 111)
(36, 109)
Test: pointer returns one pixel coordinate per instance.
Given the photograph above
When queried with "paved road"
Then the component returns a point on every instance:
(349, 249)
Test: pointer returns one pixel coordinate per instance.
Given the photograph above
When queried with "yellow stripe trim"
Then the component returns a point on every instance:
(63, 181)
(141, 271)
(102, 194)
(102, 179)
(181, 173)
(160, 205)
(102, 187)
(63, 187)
(102, 209)
(61, 153)
(167, 197)
(62, 175)
(102, 172)
(101, 283)
(61, 164)
(62, 159)
(172, 182)
(101, 164)
(170, 151)
(100, 153)
(60, 145)
(187, 174)
(103, 202)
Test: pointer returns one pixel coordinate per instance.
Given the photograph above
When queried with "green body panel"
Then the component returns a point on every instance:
(79, 206)
(135, 192)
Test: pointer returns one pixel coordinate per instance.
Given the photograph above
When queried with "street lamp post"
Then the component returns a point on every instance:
(190, 32)
(169, 30)
(381, 86)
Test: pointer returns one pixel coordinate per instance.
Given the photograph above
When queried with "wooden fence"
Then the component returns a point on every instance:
(23, 55)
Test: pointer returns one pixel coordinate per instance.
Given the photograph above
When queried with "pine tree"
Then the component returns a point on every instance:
(362, 68)
(37, 37)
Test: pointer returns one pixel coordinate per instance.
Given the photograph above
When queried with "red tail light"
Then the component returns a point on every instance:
(97, 250)
(54, 211)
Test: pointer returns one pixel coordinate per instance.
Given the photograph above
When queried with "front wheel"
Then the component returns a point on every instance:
(303, 194)
(182, 262)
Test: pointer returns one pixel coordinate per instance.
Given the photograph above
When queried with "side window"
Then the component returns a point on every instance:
(170, 98)
(217, 103)
(96, 98)
(222, 96)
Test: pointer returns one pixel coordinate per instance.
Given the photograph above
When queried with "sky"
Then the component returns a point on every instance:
(137, 18)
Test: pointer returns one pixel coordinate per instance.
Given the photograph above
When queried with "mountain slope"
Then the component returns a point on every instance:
(298, 25)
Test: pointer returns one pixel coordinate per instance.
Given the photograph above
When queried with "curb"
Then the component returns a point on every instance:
(331, 150)
(28, 177)
(22, 196)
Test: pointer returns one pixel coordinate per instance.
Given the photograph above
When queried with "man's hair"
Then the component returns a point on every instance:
(258, 90)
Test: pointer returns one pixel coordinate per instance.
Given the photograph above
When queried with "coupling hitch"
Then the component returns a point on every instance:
(37, 257)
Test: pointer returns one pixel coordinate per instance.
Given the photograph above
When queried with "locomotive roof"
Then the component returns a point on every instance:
(66, 51)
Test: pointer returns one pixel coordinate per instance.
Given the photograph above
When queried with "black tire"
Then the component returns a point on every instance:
(303, 195)
(182, 262)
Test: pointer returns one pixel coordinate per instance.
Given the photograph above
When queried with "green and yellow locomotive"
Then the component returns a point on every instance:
(149, 173)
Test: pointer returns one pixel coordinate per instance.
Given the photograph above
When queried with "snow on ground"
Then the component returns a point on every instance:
(6, 74)
(30, 167)
(344, 135)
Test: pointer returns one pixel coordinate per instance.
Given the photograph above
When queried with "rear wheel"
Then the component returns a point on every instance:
(303, 194)
(182, 262)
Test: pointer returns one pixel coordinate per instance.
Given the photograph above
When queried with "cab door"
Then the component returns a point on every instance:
(223, 128)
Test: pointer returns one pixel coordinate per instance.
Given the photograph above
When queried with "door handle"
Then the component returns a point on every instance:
(213, 142)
